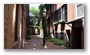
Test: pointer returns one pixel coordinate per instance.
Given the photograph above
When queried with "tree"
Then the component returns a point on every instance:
(41, 7)
(35, 12)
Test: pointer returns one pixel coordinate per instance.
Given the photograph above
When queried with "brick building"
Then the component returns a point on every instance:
(66, 22)
(15, 25)
(33, 26)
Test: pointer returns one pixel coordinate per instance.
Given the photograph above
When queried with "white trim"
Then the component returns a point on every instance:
(55, 22)
(14, 16)
(67, 28)
(79, 17)
(76, 13)
(62, 20)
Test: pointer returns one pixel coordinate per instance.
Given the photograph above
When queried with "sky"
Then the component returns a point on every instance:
(35, 5)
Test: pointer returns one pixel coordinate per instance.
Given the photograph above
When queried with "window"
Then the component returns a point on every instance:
(55, 16)
(64, 12)
(61, 14)
(79, 10)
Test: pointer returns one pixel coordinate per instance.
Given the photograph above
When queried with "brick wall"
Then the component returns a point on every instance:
(58, 6)
(72, 25)
(71, 12)
(75, 37)
(8, 26)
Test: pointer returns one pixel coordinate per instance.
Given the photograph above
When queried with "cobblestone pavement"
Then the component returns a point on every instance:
(36, 43)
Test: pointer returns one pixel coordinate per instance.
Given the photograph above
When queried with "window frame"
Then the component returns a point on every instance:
(63, 9)
(58, 14)
(76, 12)
(64, 15)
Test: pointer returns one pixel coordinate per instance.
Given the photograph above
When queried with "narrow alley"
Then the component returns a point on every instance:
(43, 26)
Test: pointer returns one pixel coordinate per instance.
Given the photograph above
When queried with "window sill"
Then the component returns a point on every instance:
(55, 22)
(61, 21)
(80, 17)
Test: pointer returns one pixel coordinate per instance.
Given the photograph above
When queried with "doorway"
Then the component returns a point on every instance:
(76, 36)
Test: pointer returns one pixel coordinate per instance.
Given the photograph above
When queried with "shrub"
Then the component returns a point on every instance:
(40, 26)
(57, 41)
(28, 37)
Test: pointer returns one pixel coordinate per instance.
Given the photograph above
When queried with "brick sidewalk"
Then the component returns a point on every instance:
(36, 43)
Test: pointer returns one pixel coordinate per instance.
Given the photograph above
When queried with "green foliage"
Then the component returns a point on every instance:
(40, 26)
(28, 37)
(35, 11)
(57, 41)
